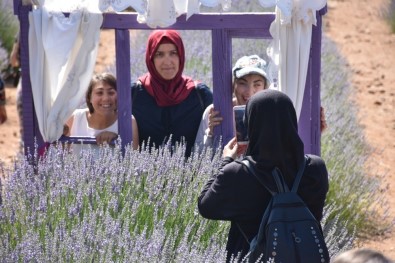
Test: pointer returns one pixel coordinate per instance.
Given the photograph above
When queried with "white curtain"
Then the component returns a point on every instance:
(163, 13)
(62, 55)
(290, 48)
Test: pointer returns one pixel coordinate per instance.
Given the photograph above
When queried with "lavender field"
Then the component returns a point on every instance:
(142, 206)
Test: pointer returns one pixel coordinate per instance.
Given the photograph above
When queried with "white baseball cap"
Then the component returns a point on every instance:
(250, 65)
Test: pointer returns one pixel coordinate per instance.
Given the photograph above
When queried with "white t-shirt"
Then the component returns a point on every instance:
(81, 128)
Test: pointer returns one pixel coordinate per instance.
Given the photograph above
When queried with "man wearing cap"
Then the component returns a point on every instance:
(249, 77)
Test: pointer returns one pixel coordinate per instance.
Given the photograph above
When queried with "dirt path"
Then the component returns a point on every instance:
(9, 131)
(365, 40)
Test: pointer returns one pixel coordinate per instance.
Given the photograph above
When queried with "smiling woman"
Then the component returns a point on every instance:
(169, 105)
(249, 77)
(100, 119)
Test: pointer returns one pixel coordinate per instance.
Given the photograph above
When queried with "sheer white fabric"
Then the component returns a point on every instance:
(160, 13)
(290, 47)
(120, 5)
(226, 4)
(62, 55)
(69, 5)
(164, 13)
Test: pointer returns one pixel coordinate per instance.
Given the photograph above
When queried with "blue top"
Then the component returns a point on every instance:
(181, 120)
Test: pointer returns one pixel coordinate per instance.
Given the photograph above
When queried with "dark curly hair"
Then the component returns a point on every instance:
(107, 78)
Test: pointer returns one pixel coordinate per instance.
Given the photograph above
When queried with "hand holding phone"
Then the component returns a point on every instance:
(240, 128)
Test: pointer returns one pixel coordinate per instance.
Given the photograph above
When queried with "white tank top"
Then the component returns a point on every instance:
(81, 128)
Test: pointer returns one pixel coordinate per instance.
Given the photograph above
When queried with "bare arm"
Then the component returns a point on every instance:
(14, 56)
(67, 126)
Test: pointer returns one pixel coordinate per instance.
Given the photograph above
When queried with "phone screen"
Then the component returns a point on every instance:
(241, 129)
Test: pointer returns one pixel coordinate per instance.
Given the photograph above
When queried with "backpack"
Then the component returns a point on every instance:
(288, 231)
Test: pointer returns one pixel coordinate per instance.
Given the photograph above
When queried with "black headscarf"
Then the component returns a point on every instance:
(273, 134)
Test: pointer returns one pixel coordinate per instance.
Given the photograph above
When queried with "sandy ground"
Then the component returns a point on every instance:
(366, 42)
(9, 131)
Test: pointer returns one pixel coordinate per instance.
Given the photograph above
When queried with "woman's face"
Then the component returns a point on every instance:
(167, 61)
(104, 98)
(247, 86)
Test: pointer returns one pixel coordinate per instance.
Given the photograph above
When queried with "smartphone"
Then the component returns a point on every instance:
(240, 128)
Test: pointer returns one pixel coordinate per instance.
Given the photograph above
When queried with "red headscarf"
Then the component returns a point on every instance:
(166, 92)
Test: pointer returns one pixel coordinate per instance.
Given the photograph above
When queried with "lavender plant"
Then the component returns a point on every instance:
(353, 195)
(3, 57)
(136, 207)
(140, 207)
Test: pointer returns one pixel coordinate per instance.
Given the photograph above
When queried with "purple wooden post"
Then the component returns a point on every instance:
(30, 125)
(17, 4)
(222, 82)
(122, 49)
(309, 121)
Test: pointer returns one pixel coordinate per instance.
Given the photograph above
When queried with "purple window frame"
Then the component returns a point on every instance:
(223, 27)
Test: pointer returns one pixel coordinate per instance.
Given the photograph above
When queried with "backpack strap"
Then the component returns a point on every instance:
(278, 178)
(282, 187)
(199, 95)
(299, 175)
(242, 232)
(251, 169)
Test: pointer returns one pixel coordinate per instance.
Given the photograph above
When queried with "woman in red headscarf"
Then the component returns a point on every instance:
(165, 102)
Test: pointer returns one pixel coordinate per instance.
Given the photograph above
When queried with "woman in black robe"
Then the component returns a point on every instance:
(235, 195)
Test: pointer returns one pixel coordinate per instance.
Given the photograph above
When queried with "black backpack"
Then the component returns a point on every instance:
(288, 233)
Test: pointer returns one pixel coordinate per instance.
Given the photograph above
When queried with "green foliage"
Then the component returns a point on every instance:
(391, 15)
(8, 24)
(76, 208)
